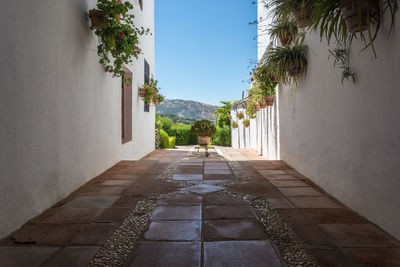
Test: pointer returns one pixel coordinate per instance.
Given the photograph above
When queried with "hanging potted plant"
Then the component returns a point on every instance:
(358, 14)
(300, 9)
(204, 129)
(157, 99)
(240, 115)
(150, 91)
(246, 123)
(293, 59)
(117, 34)
(285, 30)
(234, 124)
(230, 117)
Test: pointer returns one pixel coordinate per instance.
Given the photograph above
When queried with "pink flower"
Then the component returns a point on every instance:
(121, 35)
(106, 70)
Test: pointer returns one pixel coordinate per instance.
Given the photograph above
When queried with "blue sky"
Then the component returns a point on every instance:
(203, 48)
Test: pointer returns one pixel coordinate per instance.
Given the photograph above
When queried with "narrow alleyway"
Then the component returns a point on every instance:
(179, 208)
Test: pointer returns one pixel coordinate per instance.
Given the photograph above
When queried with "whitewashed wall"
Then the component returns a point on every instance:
(60, 113)
(346, 137)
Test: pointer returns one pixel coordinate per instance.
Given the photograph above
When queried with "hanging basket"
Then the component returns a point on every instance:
(263, 104)
(356, 13)
(293, 70)
(246, 124)
(270, 99)
(284, 41)
(96, 18)
(302, 16)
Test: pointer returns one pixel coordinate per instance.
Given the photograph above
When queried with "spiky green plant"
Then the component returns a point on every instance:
(285, 30)
(285, 9)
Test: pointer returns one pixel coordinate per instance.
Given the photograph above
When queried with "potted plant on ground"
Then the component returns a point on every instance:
(117, 34)
(234, 124)
(246, 123)
(285, 30)
(291, 58)
(204, 129)
(240, 115)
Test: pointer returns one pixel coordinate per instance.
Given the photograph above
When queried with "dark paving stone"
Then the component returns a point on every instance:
(68, 215)
(312, 236)
(300, 192)
(257, 189)
(240, 253)
(112, 215)
(94, 234)
(180, 254)
(203, 188)
(176, 213)
(233, 230)
(377, 256)
(216, 166)
(92, 201)
(280, 203)
(229, 212)
(149, 187)
(287, 183)
(126, 202)
(322, 216)
(218, 176)
(190, 170)
(217, 199)
(220, 171)
(25, 256)
(116, 183)
(333, 258)
(188, 177)
(47, 234)
(182, 200)
(313, 202)
(357, 235)
(72, 256)
(174, 231)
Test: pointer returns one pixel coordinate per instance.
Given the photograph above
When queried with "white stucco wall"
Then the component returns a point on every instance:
(60, 113)
(346, 137)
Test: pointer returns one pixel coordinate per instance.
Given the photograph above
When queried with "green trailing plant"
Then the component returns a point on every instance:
(290, 59)
(252, 108)
(342, 59)
(285, 30)
(204, 128)
(151, 90)
(118, 36)
(270, 72)
(300, 10)
(240, 115)
(246, 122)
(234, 125)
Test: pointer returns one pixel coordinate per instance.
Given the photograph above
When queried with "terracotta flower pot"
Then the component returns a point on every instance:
(96, 18)
(155, 102)
(270, 99)
(246, 124)
(257, 108)
(263, 104)
(142, 92)
(355, 13)
(284, 41)
(230, 117)
(293, 71)
(302, 16)
(203, 140)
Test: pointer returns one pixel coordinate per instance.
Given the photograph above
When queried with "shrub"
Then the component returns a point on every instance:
(183, 134)
(157, 139)
(223, 137)
(204, 128)
(171, 143)
(166, 123)
(166, 141)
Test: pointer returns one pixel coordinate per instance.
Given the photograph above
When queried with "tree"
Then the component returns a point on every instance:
(223, 113)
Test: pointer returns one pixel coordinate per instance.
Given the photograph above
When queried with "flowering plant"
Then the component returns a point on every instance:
(118, 36)
(158, 98)
(151, 91)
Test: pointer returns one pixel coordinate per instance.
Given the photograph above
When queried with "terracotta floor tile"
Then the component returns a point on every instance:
(176, 213)
(240, 253)
(312, 236)
(116, 183)
(126, 202)
(357, 235)
(173, 231)
(233, 230)
(69, 215)
(217, 199)
(112, 215)
(377, 256)
(272, 172)
(149, 187)
(300, 192)
(92, 201)
(94, 234)
(333, 258)
(219, 171)
(229, 212)
(294, 217)
(313, 203)
(280, 203)
(288, 183)
(257, 189)
(321, 216)
(105, 190)
(72, 256)
(147, 253)
(25, 255)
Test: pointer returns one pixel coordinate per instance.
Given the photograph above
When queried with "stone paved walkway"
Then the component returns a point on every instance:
(200, 225)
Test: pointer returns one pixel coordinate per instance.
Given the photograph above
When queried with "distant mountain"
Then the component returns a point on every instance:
(187, 109)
